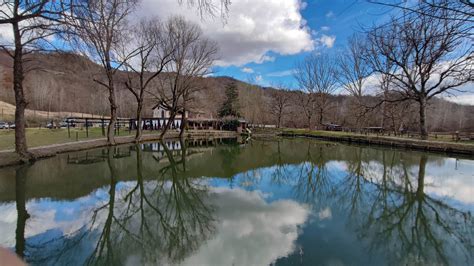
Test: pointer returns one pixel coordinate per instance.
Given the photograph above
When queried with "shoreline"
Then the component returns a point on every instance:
(10, 158)
(383, 141)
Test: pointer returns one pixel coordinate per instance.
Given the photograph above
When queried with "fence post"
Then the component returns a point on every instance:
(87, 128)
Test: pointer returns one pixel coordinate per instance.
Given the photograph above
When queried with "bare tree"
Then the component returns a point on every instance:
(352, 73)
(192, 57)
(98, 27)
(33, 22)
(150, 52)
(430, 56)
(279, 103)
(460, 10)
(316, 75)
(352, 69)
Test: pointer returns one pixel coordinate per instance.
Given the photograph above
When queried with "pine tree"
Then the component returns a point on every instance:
(230, 107)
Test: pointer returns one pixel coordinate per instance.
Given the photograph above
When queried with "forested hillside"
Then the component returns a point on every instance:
(64, 82)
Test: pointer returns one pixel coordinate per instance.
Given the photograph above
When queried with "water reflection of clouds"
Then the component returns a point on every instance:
(451, 179)
(250, 230)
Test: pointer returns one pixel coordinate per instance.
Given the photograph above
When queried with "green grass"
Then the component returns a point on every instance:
(42, 136)
(442, 138)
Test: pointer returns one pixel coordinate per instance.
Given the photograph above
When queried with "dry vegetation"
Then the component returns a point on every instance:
(65, 84)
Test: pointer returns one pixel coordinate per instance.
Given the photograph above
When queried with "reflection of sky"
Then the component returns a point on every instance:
(260, 219)
(259, 232)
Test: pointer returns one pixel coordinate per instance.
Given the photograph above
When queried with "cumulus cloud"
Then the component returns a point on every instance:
(466, 99)
(252, 29)
(247, 70)
(283, 73)
(330, 14)
(325, 28)
(327, 41)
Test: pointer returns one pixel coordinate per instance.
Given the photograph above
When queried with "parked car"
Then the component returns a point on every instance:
(3, 125)
(11, 126)
(64, 125)
(51, 125)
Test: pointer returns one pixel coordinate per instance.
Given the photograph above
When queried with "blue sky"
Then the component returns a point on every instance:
(264, 39)
(337, 19)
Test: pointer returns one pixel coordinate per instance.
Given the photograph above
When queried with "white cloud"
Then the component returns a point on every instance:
(330, 14)
(303, 5)
(466, 99)
(247, 70)
(283, 73)
(253, 28)
(325, 28)
(327, 41)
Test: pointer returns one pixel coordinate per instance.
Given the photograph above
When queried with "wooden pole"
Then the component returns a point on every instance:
(68, 130)
(87, 128)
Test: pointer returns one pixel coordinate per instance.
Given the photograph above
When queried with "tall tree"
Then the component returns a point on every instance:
(316, 75)
(32, 22)
(230, 107)
(431, 56)
(98, 27)
(352, 73)
(279, 103)
(150, 51)
(191, 58)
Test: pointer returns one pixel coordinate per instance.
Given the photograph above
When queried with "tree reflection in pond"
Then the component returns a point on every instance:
(273, 202)
(388, 206)
(164, 219)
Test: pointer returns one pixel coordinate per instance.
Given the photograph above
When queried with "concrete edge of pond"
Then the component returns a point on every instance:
(411, 144)
(10, 158)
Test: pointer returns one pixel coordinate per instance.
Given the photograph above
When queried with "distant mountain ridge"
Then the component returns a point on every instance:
(63, 82)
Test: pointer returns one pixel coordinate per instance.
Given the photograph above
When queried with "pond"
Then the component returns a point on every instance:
(233, 202)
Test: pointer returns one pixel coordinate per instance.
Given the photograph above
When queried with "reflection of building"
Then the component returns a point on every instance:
(158, 147)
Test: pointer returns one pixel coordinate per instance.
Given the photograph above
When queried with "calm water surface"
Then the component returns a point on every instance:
(224, 202)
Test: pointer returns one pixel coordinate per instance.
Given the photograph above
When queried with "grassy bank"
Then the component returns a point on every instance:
(444, 145)
(37, 137)
(51, 142)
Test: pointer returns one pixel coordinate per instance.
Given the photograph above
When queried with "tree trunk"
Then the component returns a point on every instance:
(168, 123)
(20, 102)
(113, 114)
(423, 127)
(183, 123)
(138, 134)
(321, 117)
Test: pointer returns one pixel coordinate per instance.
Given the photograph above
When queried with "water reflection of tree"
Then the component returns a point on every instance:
(386, 201)
(166, 218)
(313, 177)
(425, 229)
(20, 197)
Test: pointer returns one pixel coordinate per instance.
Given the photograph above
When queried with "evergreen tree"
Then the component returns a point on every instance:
(230, 107)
